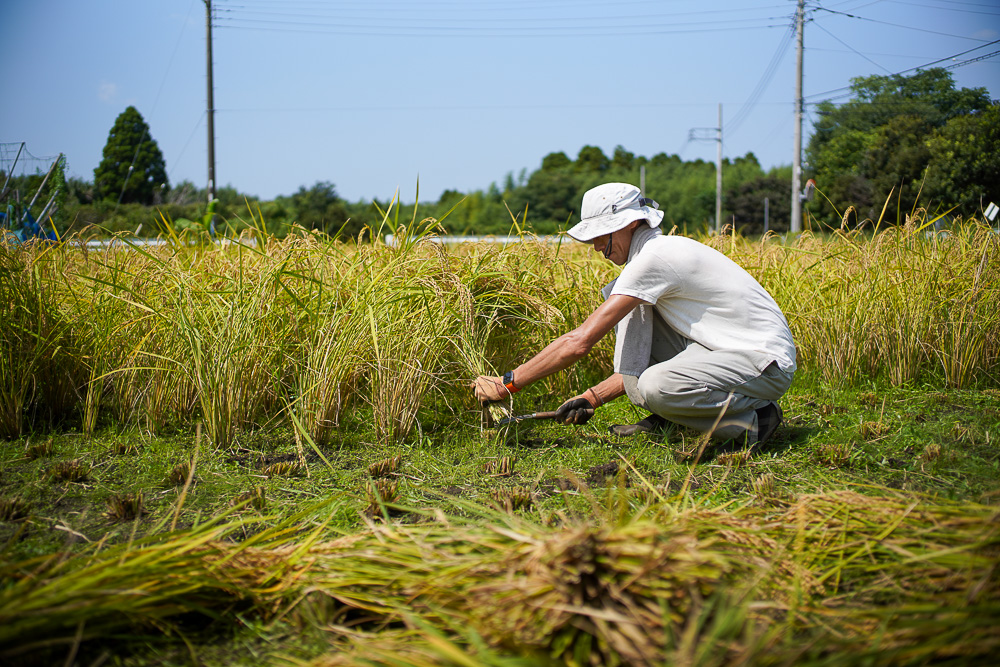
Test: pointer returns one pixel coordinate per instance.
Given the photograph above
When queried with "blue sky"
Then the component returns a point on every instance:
(373, 95)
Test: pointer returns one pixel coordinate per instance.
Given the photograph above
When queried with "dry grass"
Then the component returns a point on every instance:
(255, 498)
(74, 470)
(39, 450)
(283, 469)
(500, 467)
(125, 506)
(385, 467)
(886, 577)
(179, 473)
(13, 508)
(511, 499)
(380, 492)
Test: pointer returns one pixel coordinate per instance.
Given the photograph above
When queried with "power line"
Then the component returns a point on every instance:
(451, 18)
(197, 126)
(744, 111)
(854, 50)
(949, 9)
(509, 18)
(478, 30)
(465, 6)
(897, 25)
(920, 67)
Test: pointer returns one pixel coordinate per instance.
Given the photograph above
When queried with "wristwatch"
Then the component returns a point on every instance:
(508, 381)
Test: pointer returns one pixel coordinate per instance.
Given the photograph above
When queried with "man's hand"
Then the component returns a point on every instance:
(490, 389)
(576, 410)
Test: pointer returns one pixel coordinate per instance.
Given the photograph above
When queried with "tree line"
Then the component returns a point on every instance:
(913, 141)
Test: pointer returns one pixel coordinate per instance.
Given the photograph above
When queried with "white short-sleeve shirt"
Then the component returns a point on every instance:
(708, 298)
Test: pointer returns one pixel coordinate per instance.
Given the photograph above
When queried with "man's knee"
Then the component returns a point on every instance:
(664, 389)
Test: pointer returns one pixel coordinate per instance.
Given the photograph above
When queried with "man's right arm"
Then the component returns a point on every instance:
(579, 409)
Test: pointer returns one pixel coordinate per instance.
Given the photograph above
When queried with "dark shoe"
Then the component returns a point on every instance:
(769, 418)
(650, 424)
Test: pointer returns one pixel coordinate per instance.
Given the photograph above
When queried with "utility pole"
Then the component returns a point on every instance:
(211, 102)
(796, 225)
(718, 178)
(693, 135)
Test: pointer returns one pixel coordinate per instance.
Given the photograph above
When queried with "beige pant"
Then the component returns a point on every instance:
(700, 388)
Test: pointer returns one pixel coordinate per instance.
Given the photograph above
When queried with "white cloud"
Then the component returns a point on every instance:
(106, 92)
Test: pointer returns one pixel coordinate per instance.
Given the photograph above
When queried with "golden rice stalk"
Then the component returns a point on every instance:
(125, 506)
(501, 467)
(763, 486)
(385, 466)
(735, 459)
(124, 448)
(39, 450)
(283, 469)
(13, 508)
(380, 492)
(255, 498)
(873, 430)
(512, 499)
(836, 454)
(73, 470)
(932, 452)
(179, 473)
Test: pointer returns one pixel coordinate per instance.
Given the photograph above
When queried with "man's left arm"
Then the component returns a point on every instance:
(564, 351)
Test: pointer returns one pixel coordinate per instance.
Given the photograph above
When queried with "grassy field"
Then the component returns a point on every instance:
(268, 453)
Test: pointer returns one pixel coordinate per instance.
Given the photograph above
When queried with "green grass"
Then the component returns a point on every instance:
(450, 466)
(936, 442)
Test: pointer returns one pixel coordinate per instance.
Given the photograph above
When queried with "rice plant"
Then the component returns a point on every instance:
(124, 448)
(125, 506)
(763, 486)
(380, 492)
(13, 508)
(73, 470)
(837, 454)
(500, 467)
(38, 361)
(736, 459)
(179, 473)
(873, 430)
(39, 450)
(283, 469)
(255, 498)
(900, 305)
(511, 499)
(385, 467)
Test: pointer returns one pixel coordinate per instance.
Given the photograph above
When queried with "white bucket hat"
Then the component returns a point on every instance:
(610, 207)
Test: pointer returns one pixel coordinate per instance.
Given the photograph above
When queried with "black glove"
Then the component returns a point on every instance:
(575, 411)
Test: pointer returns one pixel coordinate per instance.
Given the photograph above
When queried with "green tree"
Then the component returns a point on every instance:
(964, 165)
(876, 143)
(895, 162)
(551, 197)
(132, 167)
(555, 161)
(622, 159)
(744, 203)
(591, 158)
(319, 207)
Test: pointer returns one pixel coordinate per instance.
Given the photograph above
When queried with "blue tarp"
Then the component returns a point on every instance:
(30, 229)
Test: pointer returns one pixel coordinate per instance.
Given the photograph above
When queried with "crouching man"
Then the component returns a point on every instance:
(698, 341)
